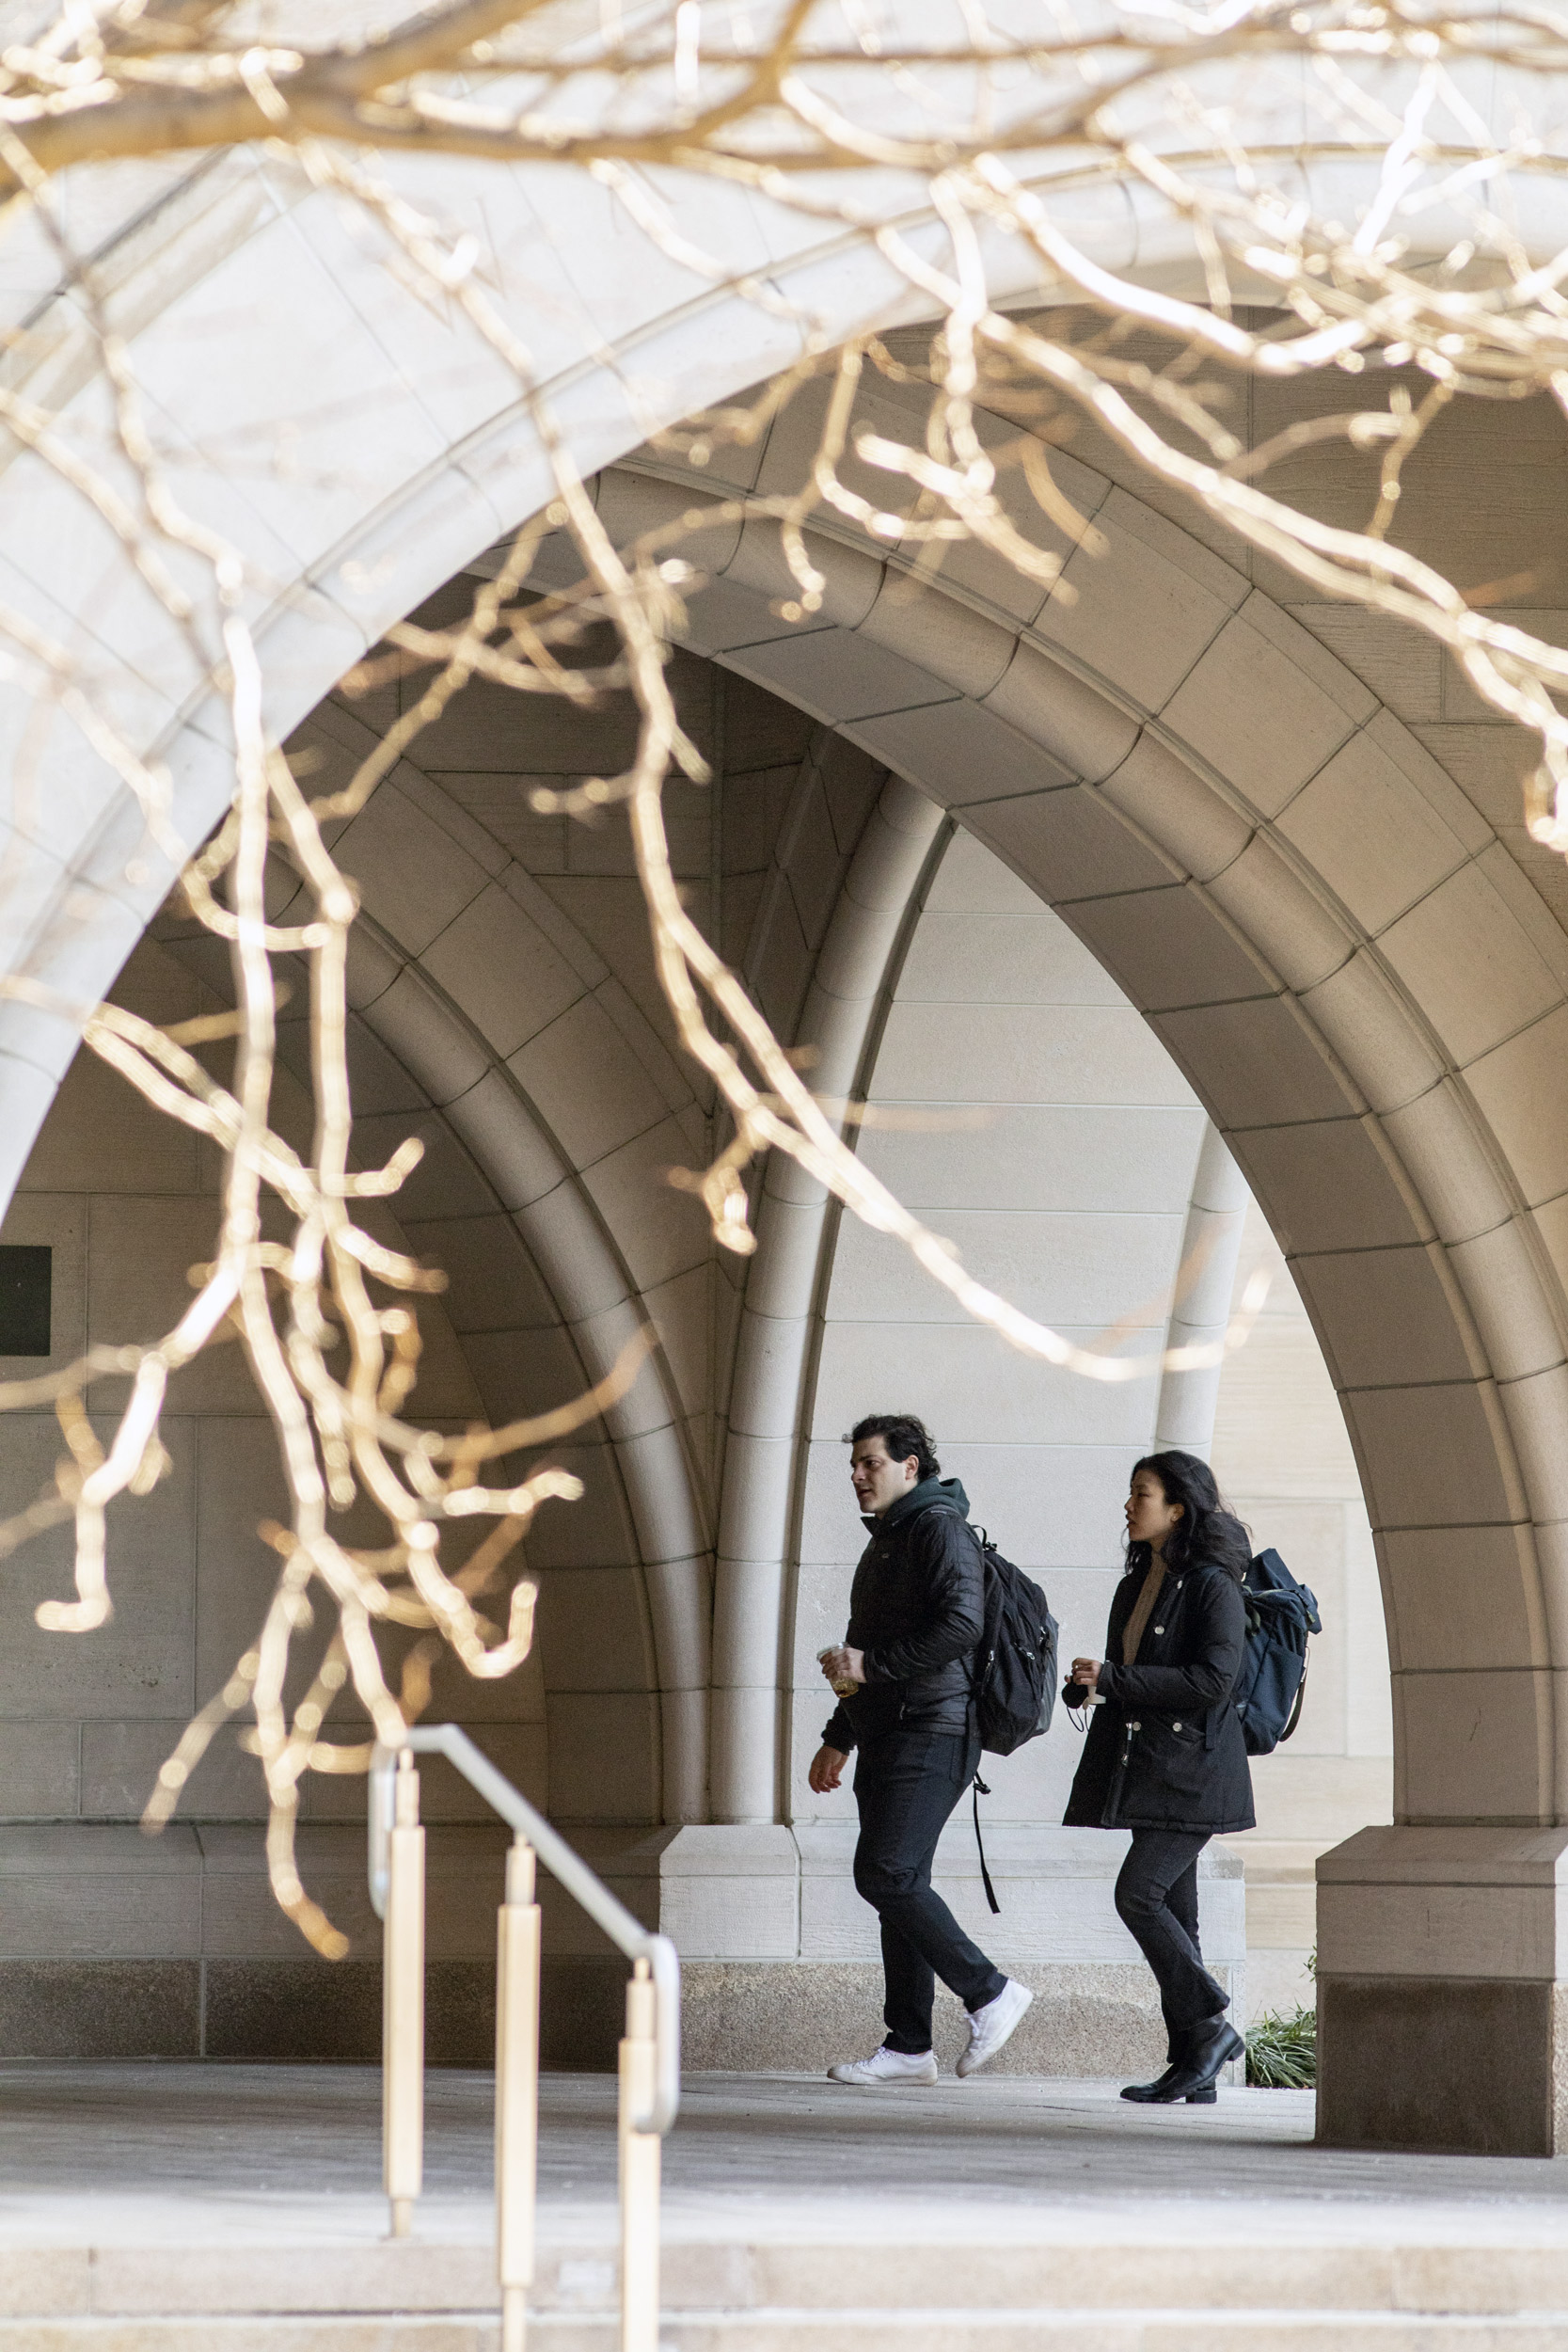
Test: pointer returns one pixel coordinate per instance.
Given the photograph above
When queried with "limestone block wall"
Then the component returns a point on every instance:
(110, 1942)
(128, 1201)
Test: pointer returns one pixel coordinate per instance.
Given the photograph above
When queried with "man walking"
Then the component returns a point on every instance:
(902, 1675)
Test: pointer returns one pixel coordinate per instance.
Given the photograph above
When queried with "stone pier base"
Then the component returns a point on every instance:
(1442, 1999)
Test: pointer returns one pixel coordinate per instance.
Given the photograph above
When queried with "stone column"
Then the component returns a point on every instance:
(765, 1406)
(1200, 1313)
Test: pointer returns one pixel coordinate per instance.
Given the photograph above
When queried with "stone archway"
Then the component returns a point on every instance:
(1282, 902)
(1281, 899)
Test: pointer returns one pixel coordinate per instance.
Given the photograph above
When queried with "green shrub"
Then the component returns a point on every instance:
(1282, 2052)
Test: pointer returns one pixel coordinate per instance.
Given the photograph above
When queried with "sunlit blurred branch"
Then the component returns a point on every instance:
(937, 155)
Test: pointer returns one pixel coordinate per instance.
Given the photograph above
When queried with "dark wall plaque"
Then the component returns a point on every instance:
(24, 1288)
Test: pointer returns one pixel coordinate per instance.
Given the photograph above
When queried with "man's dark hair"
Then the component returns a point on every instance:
(902, 1435)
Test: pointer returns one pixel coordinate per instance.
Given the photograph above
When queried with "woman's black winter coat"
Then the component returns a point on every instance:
(1166, 1751)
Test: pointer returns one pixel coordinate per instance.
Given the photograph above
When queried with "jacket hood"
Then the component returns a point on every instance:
(947, 1491)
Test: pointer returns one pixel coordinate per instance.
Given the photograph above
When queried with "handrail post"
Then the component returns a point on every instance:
(650, 2053)
(403, 2004)
(639, 2169)
(516, 2089)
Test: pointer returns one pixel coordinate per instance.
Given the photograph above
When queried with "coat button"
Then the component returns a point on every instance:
(1135, 1726)
(1176, 1727)
(1159, 1628)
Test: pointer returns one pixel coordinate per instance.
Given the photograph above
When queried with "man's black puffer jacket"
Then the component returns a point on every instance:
(917, 1610)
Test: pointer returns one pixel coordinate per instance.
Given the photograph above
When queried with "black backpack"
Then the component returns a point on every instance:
(1280, 1613)
(1013, 1680)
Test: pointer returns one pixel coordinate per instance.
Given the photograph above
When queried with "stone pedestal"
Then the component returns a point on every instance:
(781, 1960)
(1442, 1977)
(117, 1945)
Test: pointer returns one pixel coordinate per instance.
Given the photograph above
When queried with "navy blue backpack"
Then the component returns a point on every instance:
(1280, 1613)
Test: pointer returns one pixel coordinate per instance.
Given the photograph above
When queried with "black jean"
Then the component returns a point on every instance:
(1157, 1904)
(906, 1785)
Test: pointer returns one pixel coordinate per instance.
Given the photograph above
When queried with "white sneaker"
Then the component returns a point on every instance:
(886, 2067)
(990, 2027)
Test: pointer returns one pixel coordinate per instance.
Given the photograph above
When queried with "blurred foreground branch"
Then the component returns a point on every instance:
(941, 139)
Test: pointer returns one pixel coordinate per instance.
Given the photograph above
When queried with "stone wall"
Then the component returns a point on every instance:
(112, 1943)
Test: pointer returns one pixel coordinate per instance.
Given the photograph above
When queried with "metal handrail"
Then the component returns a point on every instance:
(567, 1869)
(648, 2060)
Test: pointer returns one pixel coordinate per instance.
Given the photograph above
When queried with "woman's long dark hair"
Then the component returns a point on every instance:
(1206, 1532)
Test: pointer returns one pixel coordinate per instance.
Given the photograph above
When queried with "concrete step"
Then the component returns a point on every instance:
(316, 2331)
(1079, 2266)
(1096, 2330)
(1155, 2277)
(803, 2330)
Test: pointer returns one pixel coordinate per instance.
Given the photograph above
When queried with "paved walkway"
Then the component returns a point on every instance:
(245, 2152)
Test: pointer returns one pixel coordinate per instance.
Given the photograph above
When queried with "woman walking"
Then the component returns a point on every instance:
(1165, 1757)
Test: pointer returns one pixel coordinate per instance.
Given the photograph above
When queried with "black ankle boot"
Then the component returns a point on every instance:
(1205, 2098)
(1153, 2094)
(1148, 2094)
(1206, 2049)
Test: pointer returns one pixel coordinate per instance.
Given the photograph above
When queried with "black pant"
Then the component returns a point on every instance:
(1157, 1904)
(906, 1785)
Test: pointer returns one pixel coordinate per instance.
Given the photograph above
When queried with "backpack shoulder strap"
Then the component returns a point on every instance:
(981, 1789)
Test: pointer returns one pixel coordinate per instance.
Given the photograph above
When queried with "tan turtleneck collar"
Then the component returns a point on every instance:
(1143, 1608)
